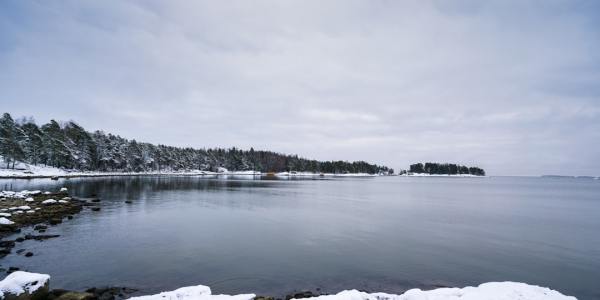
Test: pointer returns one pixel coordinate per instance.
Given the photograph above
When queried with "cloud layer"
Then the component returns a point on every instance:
(512, 86)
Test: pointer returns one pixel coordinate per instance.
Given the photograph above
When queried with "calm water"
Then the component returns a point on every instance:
(273, 237)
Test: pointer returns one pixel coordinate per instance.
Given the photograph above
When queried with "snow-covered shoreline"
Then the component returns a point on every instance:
(19, 283)
(31, 172)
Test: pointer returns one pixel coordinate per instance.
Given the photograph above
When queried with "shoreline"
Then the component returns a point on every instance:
(57, 176)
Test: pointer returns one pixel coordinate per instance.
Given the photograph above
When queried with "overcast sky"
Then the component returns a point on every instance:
(511, 86)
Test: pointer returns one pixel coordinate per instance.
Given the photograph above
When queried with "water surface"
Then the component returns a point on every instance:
(273, 237)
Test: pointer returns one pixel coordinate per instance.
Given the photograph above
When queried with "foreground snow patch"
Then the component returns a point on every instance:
(199, 292)
(486, 291)
(20, 282)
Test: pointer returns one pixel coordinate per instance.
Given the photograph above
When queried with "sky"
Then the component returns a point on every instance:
(510, 86)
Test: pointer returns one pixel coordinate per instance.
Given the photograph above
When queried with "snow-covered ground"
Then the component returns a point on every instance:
(486, 291)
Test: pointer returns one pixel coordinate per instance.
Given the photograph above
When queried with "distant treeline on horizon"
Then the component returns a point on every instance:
(67, 145)
(445, 169)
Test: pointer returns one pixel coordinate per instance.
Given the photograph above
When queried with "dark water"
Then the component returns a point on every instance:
(273, 237)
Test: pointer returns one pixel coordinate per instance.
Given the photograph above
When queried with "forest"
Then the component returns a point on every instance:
(67, 145)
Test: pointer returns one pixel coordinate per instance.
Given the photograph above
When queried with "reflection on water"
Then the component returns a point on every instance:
(274, 236)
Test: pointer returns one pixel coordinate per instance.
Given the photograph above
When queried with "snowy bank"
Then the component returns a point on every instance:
(20, 282)
(199, 292)
(486, 291)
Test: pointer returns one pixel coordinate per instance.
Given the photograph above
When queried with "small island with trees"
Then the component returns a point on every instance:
(430, 168)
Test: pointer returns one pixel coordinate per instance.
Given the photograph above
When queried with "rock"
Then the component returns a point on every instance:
(20, 239)
(40, 237)
(40, 227)
(69, 217)
(29, 254)
(95, 208)
(7, 244)
(96, 200)
(4, 252)
(128, 201)
(20, 251)
(12, 269)
(55, 221)
(21, 285)
(305, 294)
(76, 296)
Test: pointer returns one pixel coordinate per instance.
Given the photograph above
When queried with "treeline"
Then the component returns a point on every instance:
(445, 169)
(69, 146)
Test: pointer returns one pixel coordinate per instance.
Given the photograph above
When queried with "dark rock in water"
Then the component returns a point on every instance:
(96, 200)
(70, 217)
(40, 227)
(76, 296)
(263, 298)
(54, 177)
(305, 294)
(12, 269)
(20, 251)
(29, 254)
(55, 221)
(7, 244)
(128, 201)
(4, 252)
(42, 231)
(40, 237)
(20, 239)
(95, 208)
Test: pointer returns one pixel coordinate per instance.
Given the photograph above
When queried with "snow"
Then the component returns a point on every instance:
(20, 195)
(30, 211)
(64, 189)
(49, 201)
(63, 201)
(5, 215)
(199, 292)
(29, 199)
(485, 291)
(20, 282)
(24, 207)
(5, 221)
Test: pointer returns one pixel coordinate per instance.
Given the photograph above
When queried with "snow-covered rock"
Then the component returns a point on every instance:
(63, 201)
(485, 291)
(5, 221)
(199, 292)
(20, 282)
(49, 201)
(29, 199)
(64, 189)
(5, 214)
(24, 207)
(30, 211)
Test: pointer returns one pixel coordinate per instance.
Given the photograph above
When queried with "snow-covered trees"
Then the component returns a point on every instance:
(12, 139)
(70, 146)
(451, 169)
